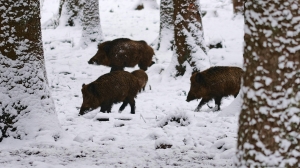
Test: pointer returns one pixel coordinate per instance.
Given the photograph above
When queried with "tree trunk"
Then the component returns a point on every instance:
(70, 9)
(269, 128)
(73, 11)
(91, 28)
(27, 110)
(189, 37)
(166, 33)
(79, 13)
(238, 6)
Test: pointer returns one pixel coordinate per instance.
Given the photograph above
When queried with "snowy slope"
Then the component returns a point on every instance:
(204, 139)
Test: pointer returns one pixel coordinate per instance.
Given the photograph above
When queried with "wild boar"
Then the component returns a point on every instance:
(142, 78)
(123, 52)
(110, 88)
(215, 83)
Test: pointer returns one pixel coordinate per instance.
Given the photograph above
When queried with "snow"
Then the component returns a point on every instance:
(202, 139)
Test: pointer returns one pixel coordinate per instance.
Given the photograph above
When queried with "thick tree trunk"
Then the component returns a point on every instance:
(189, 38)
(238, 6)
(79, 13)
(269, 131)
(166, 33)
(91, 28)
(71, 12)
(27, 109)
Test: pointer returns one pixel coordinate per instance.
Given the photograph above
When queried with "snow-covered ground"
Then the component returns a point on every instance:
(202, 139)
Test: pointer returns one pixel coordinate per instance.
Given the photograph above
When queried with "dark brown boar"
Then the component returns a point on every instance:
(142, 78)
(114, 87)
(215, 83)
(123, 52)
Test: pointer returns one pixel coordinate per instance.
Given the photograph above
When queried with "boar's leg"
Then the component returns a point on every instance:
(142, 89)
(218, 103)
(106, 107)
(103, 108)
(235, 95)
(125, 103)
(132, 105)
(143, 67)
(202, 102)
(208, 106)
(108, 110)
(115, 68)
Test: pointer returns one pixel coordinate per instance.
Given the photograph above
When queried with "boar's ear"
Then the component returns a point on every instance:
(194, 72)
(83, 85)
(92, 89)
(106, 47)
(199, 78)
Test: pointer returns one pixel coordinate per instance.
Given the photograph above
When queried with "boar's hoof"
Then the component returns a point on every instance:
(216, 108)
(197, 109)
(209, 106)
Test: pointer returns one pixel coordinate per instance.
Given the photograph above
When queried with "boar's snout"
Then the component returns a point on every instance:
(81, 112)
(84, 110)
(91, 61)
(152, 63)
(190, 97)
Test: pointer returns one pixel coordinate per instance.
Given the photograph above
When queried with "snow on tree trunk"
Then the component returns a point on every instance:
(269, 123)
(146, 4)
(91, 28)
(79, 13)
(27, 109)
(69, 13)
(238, 6)
(166, 33)
(189, 42)
(72, 10)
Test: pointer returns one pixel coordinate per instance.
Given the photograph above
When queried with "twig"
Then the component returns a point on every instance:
(142, 118)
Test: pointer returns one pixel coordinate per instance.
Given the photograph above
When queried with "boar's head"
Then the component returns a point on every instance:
(102, 55)
(91, 99)
(198, 87)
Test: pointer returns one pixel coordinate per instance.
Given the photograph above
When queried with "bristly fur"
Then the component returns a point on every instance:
(114, 87)
(123, 52)
(215, 83)
(142, 78)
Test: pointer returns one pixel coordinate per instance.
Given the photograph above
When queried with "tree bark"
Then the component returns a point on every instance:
(189, 36)
(166, 33)
(68, 8)
(27, 109)
(83, 13)
(91, 27)
(238, 6)
(269, 131)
